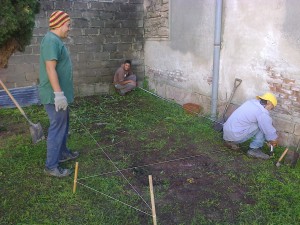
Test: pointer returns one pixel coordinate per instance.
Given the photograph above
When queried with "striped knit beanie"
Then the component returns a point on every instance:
(57, 19)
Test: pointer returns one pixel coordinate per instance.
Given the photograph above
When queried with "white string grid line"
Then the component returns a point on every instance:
(120, 171)
(151, 164)
(111, 161)
(114, 199)
(167, 100)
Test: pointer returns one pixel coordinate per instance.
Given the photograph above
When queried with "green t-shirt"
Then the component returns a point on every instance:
(52, 48)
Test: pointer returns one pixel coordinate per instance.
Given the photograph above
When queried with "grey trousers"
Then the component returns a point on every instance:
(127, 87)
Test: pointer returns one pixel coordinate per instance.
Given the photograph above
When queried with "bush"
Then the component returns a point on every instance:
(17, 21)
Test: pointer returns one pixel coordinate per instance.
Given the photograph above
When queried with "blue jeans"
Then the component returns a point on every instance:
(258, 141)
(57, 135)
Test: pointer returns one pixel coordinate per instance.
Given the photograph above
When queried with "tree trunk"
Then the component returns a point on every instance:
(6, 51)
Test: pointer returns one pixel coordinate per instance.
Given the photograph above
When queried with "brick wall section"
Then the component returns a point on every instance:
(103, 34)
(156, 19)
(287, 112)
(287, 91)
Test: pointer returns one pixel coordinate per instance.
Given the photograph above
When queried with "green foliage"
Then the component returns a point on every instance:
(17, 21)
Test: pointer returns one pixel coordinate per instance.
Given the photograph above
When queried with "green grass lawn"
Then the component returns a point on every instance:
(121, 141)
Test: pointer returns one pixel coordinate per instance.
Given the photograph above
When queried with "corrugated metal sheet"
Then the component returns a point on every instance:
(25, 96)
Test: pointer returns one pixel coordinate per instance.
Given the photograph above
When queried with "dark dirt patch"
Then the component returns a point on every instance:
(186, 180)
(191, 176)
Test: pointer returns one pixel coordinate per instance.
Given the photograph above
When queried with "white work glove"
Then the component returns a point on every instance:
(60, 101)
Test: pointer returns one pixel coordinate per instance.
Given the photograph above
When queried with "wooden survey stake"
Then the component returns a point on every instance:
(75, 177)
(152, 200)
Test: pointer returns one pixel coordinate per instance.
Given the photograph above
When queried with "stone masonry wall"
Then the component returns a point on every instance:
(103, 34)
(156, 19)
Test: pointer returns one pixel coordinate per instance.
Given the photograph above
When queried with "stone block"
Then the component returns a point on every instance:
(36, 67)
(63, 5)
(93, 65)
(284, 138)
(137, 46)
(109, 47)
(129, 24)
(92, 31)
(297, 129)
(39, 31)
(128, 8)
(79, 48)
(96, 23)
(283, 125)
(46, 6)
(93, 47)
(138, 38)
(101, 88)
(122, 31)
(109, 31)
(140, 23)
(86, 89)
(101, 56)
(80, 23)
(41, 22)
(109, 70)
(35, 49)
(136, 1)
(27, 59)
(121, 15)
(80, 5)
(107, 79)
(85, 56)
(124, 47)
(32, 76)
(112, 39)
(107, 15)
(24, 68)
(98, 39)
(116, 55)
(85, 80)
(76, 14)
(96, 5)
(112, 24)
(126, 38)
(110, 64)
(111, 7)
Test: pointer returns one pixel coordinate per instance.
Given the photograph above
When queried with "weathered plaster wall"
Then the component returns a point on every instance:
(103, 34)
(179, 67)
(260, 45)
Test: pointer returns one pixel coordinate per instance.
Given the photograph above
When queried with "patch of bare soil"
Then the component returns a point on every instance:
(188, 181)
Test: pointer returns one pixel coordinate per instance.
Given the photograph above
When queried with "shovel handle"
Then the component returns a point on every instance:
(237, 82)
(14, 101)
(283, 154)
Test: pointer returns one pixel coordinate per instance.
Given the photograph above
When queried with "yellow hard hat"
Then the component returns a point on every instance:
(270, 97)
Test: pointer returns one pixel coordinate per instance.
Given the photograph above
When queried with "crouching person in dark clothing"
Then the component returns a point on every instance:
(124, 79)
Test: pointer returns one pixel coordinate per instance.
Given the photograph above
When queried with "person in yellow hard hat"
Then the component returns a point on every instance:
(252, 120)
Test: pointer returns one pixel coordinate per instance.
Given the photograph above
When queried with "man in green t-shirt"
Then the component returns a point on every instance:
(56, 92)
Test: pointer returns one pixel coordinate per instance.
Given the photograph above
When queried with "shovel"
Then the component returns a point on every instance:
(218, 125)
(36, 130)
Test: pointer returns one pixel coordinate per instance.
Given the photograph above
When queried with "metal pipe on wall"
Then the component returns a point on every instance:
(216, 59)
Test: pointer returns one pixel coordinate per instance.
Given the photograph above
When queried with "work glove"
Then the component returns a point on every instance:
(60, 101)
